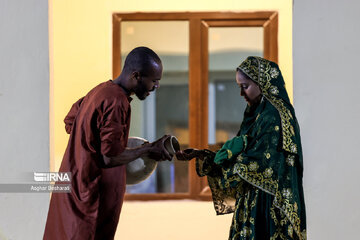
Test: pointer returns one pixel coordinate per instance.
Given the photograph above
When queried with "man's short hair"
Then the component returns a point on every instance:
(141, 59)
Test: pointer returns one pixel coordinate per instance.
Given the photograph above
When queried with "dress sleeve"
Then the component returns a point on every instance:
(223, 194)
(227, 172)
(113, 129)
(231, 149)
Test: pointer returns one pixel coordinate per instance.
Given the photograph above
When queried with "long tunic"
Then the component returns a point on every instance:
(98, 125)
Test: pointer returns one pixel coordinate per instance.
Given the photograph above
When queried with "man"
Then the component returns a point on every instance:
(96, 154)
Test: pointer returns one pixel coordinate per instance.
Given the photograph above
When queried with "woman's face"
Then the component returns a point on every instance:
(248, 89)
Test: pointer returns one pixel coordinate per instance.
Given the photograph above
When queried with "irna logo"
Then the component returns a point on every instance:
(52, 176)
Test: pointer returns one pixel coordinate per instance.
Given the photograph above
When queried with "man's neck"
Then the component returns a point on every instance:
(122, 82)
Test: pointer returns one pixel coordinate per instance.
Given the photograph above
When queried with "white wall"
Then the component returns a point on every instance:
(326, 49)
(24, 104)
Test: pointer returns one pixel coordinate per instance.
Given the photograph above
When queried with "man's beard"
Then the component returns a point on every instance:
(141, 91)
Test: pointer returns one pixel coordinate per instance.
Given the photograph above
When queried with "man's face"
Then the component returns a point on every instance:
(148, 82)
(248, 89)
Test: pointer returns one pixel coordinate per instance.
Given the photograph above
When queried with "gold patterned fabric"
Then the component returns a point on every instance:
(261, 180)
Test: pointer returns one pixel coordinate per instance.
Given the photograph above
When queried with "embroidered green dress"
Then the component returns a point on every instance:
(258, 174)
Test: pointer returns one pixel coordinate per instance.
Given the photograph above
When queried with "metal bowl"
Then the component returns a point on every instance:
(141, 168)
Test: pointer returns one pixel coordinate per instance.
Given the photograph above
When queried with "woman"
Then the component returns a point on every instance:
(258, 174)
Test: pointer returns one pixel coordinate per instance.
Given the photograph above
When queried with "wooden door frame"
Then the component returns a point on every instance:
(199, 23)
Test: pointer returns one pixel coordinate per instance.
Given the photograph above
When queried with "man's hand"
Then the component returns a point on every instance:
(157, 150)
(189, 154)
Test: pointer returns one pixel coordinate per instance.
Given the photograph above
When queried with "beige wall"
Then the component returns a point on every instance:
(81, 47)
(81, 58)
(172, 220)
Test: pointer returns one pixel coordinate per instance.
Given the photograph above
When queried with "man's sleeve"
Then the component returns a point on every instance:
(70, 117)
(113, 129)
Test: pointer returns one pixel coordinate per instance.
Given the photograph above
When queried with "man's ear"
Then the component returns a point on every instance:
(135, 75)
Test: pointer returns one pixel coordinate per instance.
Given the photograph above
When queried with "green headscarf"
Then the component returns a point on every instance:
(269, 78)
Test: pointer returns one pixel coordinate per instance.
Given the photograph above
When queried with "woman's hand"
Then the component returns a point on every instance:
(188, 154)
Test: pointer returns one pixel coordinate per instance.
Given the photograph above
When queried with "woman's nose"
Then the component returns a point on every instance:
(242, 93)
